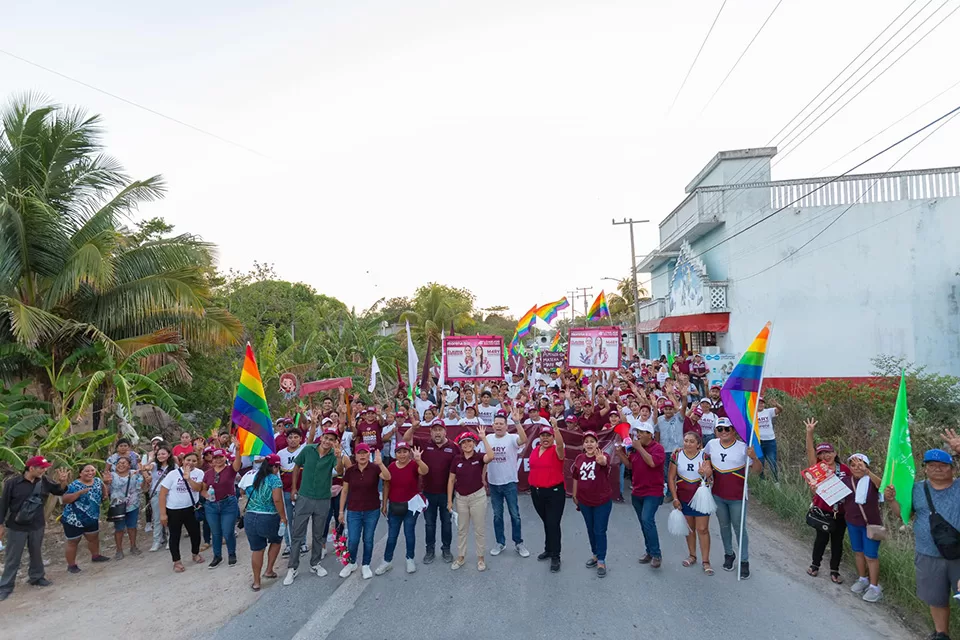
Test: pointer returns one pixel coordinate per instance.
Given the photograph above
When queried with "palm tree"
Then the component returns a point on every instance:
(434, 312)
(70, 273)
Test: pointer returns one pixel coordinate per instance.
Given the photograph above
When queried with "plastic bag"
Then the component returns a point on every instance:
(703, 501)
(677, 524)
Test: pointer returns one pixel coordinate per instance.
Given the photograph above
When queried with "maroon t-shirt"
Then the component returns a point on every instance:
(689, 425)
(648, 481)
(698, 369)
(370, 434)
(593, 480)
(403, 482)
(438, 460)
(469, 474)
(223, 486)
(594, 423)
(363, 493)
(871, 508)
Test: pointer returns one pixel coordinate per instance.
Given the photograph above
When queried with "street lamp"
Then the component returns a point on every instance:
(633, 272)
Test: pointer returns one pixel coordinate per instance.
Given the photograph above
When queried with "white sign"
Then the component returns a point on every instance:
(720, 366)
(833, 490)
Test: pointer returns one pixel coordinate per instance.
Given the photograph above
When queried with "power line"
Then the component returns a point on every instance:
(749, 44)
(134, 104)
(697, 57)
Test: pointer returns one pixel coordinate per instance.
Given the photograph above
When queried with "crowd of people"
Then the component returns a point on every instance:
(342, 466)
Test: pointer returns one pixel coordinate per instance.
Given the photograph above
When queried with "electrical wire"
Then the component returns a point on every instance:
(697, 57)
(135, 104)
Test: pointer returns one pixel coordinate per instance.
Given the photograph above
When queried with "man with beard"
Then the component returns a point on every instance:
(438, 454)
(502, 478)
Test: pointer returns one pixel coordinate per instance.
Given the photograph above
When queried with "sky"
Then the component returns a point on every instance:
(375, 146)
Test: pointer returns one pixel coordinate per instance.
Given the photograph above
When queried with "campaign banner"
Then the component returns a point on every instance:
(720, 365)
(594, 348)
(550, 360)
(825, 482)
(473, 357)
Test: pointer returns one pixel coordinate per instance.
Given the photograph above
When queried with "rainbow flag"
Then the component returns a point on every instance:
(742, 390)
(599, 308)
(250, 411)
(523, 327)
(555, 345)
(548, 312)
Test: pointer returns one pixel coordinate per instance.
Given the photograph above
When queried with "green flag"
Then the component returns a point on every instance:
(900, 470)
(670, 364)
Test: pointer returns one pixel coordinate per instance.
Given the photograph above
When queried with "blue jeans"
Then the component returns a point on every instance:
(409, 524)
(646, 508)
(437, 504)
(769, 449)
(361, 523)
(222, 516)
(596, 519)
(623, 472)
(289, 507)
(499, 492)
(728, 516)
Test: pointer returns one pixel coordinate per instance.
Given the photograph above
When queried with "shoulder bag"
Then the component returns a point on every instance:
(874, 531)
(821, 520)
(30, 505)
(196, 504)
(944, 534)
(117, 512)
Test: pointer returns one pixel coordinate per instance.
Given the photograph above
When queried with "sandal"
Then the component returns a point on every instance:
(270, 575)
(481, 565)
(690, 561)
(255, 587)
(813, 571)
(835, 577)
(178, 567)
(707, 569)
(198, 559)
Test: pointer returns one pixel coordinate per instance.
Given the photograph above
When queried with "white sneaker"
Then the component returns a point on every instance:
(497, 548)
(320, 571)
(148, 528)
(323, 553)
(873, 594)
(155, 546)
(523, 551)
(365, 572)
(383, 568)
(347, 570)
(860, 586)
(411, 565)
(288, 579)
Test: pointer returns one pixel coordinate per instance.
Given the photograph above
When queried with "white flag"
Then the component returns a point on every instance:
(443, 362)
(374, 370)
(413, 363)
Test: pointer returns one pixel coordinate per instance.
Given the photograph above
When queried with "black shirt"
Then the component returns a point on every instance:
(16, 490)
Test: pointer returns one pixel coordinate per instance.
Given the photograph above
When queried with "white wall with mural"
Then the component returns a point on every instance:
(687, 284)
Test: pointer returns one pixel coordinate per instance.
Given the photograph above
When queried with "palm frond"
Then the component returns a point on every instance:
(30, 325)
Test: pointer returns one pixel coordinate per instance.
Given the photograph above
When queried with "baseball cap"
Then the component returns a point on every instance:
(545, 429)
(825, 447)
(326, 421)
(715, 386)
(219, 452)
(438, 423)
(363, 446)
(571, 418)
(935, 455)
(467, 435)
(400, 414)
(401, 445)
(592, 434)
(501, 414)
(332, 432)
(667, 403)
(724, 422)
(156, 439)
(697, 411)
(707, 400)
(38, 461)
(646, 426)
(272, 459)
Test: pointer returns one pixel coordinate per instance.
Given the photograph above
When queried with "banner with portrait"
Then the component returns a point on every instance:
(473, 357)
(594, 348)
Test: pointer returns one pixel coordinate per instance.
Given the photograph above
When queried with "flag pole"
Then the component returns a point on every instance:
(746, 475)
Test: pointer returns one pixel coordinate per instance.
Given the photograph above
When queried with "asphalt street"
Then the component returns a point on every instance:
(520, 598)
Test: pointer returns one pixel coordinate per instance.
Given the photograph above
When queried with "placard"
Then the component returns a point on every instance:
(473, 357)
(550, 360)
(594, 348)
(825, 482)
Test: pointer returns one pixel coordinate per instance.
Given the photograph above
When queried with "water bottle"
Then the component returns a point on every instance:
(283, 529)
(211, 495)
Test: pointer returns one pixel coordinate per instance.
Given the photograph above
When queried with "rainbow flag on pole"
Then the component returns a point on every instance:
(555, 345)
(250, 411)
(523, 327)
(742, 390)
(599, 308)
(548, 312)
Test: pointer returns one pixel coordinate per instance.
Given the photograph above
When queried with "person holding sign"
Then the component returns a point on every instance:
(824, 453)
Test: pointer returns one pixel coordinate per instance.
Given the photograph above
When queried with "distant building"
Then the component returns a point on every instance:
(858, 267)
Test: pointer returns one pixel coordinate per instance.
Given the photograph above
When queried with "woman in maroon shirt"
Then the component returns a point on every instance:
(405, 475)
(825, 453)
(592, 495)
(547, 491)
(222, 509)
(466, 478)
(360, 500)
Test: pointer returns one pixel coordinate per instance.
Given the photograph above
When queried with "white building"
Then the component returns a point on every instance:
(849, 269)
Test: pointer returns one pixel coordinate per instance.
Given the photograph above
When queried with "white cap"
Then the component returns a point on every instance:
(646, 426)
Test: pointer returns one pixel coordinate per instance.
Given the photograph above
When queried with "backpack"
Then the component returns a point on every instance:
(944, 534)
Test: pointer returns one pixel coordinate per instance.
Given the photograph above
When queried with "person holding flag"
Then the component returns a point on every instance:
(222, 508)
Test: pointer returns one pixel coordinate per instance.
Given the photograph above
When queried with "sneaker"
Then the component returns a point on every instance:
(148, 528)
(728, 562)
(288, 579)
(383, 568)
(601, 571)
(744, 570)
(591, 563)
(365, 572)
(429, 557)
(554, 564)
(72, 568)
(217, 560)
(41, 582)
(99, 559)
(232, 560)
(860, 586)
(456, 564)
(543, 556)
(323, 553)
(939, 635)
(155, 546)
(118, 555)
(522, 551)
(286, 552)
(347, 570)
(166, 546)
(135, 551)
(411, 566)
(4, 595)
(317, 569)
(873, 594)
(304, 548)
(447, 556)
(497, 548)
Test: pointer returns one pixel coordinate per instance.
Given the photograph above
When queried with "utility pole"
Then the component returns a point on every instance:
(573, 308)
(585, 295)
(633, 272)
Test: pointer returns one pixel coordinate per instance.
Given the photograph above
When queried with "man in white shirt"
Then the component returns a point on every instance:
(768, 440)
(514, 385)
(287, 454)
(708, 421)
(502, 477)
(422, 402)
(485, 410)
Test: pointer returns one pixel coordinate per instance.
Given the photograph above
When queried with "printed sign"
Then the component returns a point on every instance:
(473, 357)
(825, 482)
(816, 474)
(517, 362)
(720, 365)
(594, 348)
(550, 360)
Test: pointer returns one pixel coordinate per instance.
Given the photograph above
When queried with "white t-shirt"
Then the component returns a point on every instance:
(421, 406)
(178, 496)
(387, 436)
(486, 414)
(707, 423)
(661, 377)
(765, 423)
(345, 442)
(503, 468)
(470, 422)
(286, 458)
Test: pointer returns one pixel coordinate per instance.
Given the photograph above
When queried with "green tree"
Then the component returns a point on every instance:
(437, 308)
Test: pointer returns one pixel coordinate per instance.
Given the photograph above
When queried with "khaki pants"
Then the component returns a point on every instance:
(471, 508)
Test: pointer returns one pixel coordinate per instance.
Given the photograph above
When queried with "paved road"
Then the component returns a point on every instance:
(520, 598)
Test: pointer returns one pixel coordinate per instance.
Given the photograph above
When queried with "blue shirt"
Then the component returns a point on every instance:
(85, 510)
(261, 498)
(947, 503)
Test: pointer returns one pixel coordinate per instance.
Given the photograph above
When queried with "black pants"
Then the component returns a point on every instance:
(835, 538)
(549, 503)
(183, 517)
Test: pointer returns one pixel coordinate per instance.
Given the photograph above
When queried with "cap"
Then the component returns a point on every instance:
(860, 456)
(363, 446)
(370, 410)
(326, 421)
(156, 439)
(935, 455)
(38, 461)
(467, 435)
(207, 450)
(667, 403)
(715, 386)
(438, 423)
(571, 418)
(558, 403)
(760, 399)
(592, 434)
(219, 452)
(272, 459)
(697, 411)
(825, 447)
(707, 400)
(500, 414)
(401, 445)
(545, 430)
(724, 422)
(332, 432)
(615, 413)
(646, 426)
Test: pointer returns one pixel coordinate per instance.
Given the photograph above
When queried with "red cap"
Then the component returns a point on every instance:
(501, 414)
(571, 418)
(715, 386)
(467, 435)
(401, 445)
(38, 461)
(667, 403)
(363, 446)
(207, 450)
(401, 414)
(438, 423)
(219, 452)
(545, 429)
(592, 434)
(558, 403)
(370, 410)
(272, 459)
(697, 411)
(332, 432)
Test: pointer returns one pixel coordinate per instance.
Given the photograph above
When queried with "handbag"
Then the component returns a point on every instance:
(117, 512)
(945, 535)
(874, 531)
(821, 520)
(30, 506)
(398, 509)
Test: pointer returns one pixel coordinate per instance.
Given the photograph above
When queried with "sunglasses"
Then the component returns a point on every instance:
(216, 477)
(722, 429)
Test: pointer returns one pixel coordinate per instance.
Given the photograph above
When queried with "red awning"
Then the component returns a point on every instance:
(648, 326)
(715, 322)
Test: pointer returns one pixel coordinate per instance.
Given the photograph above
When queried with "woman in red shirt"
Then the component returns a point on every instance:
(402, 486)
(592, 495)
(546, 489)
(466, 477)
